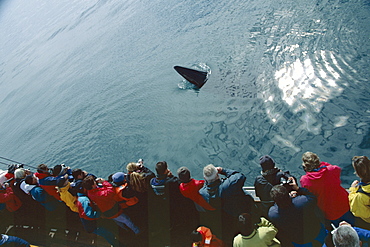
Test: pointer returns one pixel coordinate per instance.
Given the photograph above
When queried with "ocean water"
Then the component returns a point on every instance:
(91, 83)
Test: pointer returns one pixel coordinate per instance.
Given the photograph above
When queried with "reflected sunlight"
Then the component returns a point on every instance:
(310, 82)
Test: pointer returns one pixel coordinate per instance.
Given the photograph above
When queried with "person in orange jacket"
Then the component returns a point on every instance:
(104, 196)
(189, 188)
(203, 237)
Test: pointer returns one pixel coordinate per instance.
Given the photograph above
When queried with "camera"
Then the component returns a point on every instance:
(285, 181)
(13, 167)
(139, 165)
(61, 170)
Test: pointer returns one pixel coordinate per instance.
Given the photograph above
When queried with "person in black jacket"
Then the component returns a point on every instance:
(269, 177)
(170, 213)
(140, 176)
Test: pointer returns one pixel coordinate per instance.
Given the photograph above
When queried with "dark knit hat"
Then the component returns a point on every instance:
(57, 169)
(119, 177)
(267, 163)
(184, 174)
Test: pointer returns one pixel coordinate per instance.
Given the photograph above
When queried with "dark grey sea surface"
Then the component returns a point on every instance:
(91, 83)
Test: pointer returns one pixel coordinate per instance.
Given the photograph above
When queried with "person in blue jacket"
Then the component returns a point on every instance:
(230, 189)
(39, 194)
(88, 216)
(78, 177)
(227, 196)
(363, 234)
(296, 216)
(7, 240)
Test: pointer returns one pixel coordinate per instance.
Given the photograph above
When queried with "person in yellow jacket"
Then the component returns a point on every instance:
(203, 237)
(63, 187)
(359, 196)
(256, 235)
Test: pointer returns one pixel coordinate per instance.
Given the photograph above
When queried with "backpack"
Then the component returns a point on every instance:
(360, 190)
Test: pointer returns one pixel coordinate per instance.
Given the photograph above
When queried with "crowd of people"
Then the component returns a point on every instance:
(162, 209)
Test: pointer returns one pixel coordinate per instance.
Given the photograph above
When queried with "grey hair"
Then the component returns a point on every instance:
(20, 173)
(210, 173)
(346, 236)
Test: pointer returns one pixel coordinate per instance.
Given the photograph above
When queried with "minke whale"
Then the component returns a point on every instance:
(196, 77)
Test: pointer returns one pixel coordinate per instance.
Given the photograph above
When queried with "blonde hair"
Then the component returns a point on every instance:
(131, 167)
(137, 182)
(311, 161)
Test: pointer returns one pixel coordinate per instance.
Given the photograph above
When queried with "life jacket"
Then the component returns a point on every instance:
(191, 191)
(123, 201)
(105, 199)
(208, 239)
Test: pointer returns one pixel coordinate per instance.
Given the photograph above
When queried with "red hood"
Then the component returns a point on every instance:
(41, 175)
(324, 166)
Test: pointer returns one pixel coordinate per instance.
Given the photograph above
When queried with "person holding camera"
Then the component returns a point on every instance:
(17, 185)
(140, 177)
(32, 188)
(78, 176)
(47, 181)
(11, 169)
(323, 180)
(270, 176)
(223, 190)
(102, 193)
(296, 217)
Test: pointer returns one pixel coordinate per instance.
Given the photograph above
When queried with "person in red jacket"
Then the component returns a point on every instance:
(105, 198)
(7, 196)
(124, 194)
(323, 180)
(189, 188)
(47, 181)
(89, 216)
